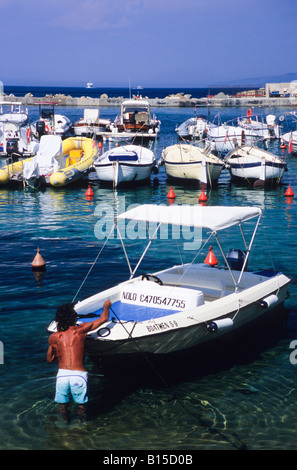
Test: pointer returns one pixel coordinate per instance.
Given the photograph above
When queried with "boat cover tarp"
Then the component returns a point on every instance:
(44, 161)
(212, 217)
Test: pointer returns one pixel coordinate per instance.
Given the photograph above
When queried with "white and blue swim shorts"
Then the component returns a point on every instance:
(71, 383)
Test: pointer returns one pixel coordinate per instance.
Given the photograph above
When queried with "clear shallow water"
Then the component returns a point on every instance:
(242, 396)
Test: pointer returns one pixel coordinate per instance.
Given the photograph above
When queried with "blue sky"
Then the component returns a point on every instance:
(155, 43)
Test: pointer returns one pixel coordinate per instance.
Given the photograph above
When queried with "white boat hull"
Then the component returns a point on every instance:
(253, 164)
(90, 130)
(118, 173)
(256, 171)
(183, 330)
(188, 162)
(193, 171)
(125, 164)
(224, 138)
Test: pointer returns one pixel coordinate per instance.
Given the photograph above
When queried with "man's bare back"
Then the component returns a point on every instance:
(68, 346)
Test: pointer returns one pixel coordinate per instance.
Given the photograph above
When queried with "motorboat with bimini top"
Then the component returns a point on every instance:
(57, 163)
(91, 124)
(187, 162)
(125, 164)
(188, 304)
(253, 165)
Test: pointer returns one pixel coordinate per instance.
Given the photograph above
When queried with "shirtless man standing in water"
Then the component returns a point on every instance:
(67, 345)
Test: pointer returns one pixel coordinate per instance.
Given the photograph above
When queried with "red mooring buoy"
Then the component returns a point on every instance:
(38, 263)
(202, 197)
(211, 258)
(89, 192)
(171, 194)
(289, 192)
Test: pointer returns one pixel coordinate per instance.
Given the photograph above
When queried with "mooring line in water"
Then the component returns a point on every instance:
(92, 265)
(237, 444)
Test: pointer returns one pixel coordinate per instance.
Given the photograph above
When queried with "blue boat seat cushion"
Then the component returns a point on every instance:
(144, 300)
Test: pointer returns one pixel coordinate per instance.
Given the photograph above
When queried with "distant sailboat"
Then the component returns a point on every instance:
(90, 85)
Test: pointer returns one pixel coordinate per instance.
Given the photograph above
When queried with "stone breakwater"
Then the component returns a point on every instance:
(178, 100)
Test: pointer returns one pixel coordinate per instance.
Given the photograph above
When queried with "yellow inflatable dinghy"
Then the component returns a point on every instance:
(58, 163)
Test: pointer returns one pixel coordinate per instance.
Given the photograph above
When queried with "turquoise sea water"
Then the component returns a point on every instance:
(244, 395)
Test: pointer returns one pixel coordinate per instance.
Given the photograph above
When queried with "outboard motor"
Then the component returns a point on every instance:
(12, 149)
(236, 259)
(40, 128)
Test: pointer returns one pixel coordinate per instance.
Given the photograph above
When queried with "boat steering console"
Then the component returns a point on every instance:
(151, 277)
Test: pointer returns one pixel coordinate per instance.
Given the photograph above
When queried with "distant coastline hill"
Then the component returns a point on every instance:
(261, 81)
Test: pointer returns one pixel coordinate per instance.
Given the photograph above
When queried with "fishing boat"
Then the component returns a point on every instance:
(184, 305)
(125, 164)
(57, 163)
(91, 125)
(188, 162)
(253, 165)
(49, 122)
(135, 122)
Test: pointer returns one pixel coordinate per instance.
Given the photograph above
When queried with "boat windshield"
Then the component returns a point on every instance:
(132, 109)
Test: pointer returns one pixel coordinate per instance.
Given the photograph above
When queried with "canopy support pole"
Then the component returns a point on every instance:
(249, 249)
(143, 254)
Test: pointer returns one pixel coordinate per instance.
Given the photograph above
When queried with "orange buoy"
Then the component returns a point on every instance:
(202, 197)
(89, 192)
(171, 194)
(38, 263)
(289, 192)
(211, 259)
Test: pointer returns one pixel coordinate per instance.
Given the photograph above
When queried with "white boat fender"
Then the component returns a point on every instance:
(216, 325)
(269, 301)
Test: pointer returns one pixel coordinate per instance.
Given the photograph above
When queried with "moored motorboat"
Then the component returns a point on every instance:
(224, 138)
(256, 166)
(187, 162)
(57, 163)
(125, 164)
(135, 122)
(185, 305)
(266, 129)
(194, 128)
(16, 140)
(49, 122)
(91, 124)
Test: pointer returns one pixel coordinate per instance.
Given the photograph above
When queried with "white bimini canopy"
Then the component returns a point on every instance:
(212, 217)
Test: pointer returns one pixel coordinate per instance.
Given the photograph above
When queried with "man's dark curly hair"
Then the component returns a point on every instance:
(65, 316)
